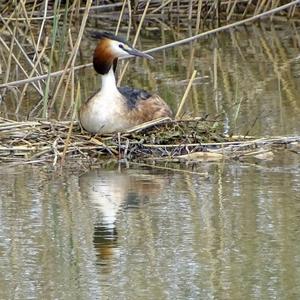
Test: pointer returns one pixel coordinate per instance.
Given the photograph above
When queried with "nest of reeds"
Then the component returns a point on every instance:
(165, 139)
(50, 139)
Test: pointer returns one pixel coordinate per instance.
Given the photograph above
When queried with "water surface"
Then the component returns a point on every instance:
(124, 233)
(127, 232)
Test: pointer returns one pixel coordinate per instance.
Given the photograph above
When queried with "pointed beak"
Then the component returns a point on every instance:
(136, 52)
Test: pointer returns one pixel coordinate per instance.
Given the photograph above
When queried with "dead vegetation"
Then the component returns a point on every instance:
(40, 41)
(161, 140)
(39, 53)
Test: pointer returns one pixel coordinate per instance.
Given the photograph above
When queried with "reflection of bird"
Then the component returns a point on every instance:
(105, 241)
(109, 192)
(112, 108)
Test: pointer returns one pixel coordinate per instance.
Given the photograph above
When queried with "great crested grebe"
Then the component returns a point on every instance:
(112, 108)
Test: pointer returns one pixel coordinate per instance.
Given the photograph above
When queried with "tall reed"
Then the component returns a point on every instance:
(40, 41)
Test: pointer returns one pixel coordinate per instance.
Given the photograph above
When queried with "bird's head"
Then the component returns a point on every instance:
(109, 48)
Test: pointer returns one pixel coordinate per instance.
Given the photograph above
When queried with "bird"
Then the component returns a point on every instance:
(115, 109)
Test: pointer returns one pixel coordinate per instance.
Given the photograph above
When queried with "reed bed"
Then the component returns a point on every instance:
(40, 55)
(40, 41)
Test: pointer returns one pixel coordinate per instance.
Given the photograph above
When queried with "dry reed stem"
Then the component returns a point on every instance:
(70, 76)
(190, 11)
(259, 6)
(222, 28)
(174, 44)
(71, 125)
(42, 27)
(120, 17)
(148, 124)
(160, 7)
(198, 20)
(183, 100)
(30, 141)
(129, 19)
(205, 174)
(14, 40)
(71, 60)
(31, 18)
(39, 57)
(19, 65)
(231, 10)
(135, 40)
(44, 76)
(8, 64)
(28, 27)
(215, 77)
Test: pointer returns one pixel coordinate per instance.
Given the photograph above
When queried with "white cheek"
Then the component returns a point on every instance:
(117, 51)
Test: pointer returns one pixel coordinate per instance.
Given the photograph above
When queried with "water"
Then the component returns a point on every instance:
(131, 232)
(136, 233)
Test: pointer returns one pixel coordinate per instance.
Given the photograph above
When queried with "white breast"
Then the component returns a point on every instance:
(105, 114)
(106, 111)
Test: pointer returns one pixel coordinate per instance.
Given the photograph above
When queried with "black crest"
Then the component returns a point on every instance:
(107, 35)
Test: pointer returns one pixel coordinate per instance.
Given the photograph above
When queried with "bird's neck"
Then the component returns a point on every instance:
(109, 85)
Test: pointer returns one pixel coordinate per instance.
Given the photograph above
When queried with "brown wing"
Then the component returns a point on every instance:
(150, 109)
(144, 107)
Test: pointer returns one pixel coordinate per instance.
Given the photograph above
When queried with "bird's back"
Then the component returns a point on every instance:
(143, 106)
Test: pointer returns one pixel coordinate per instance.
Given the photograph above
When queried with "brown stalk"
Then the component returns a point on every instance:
(183, 100)
(135, 40)
(39, 57)
(71, 60)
